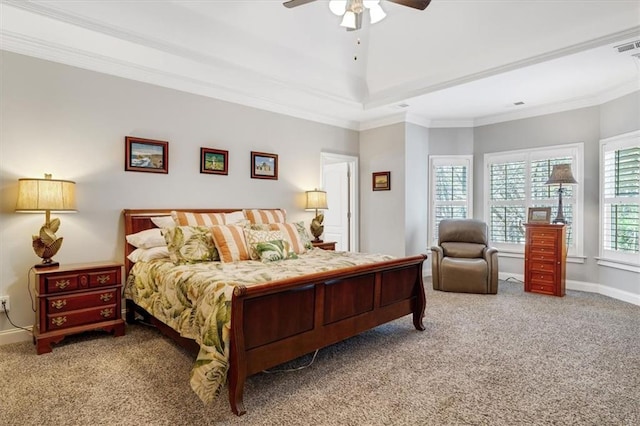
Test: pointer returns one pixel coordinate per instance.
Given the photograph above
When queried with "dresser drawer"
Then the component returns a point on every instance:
(79, 317)
(542, 254)
(539, 266)
(547, 240)
(64, 303)
(544, 278)
(543, 288)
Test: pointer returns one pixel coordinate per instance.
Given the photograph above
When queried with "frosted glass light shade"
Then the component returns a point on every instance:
(376, 14)
(349, 20)
(338, 7)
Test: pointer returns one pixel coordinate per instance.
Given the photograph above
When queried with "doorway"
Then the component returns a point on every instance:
(339, 177)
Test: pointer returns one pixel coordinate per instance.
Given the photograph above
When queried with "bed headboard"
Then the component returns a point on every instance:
(136, 220)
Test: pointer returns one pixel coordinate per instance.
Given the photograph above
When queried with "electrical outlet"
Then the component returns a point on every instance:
(4, 303)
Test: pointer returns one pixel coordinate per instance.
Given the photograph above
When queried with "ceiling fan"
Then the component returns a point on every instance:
(353, 10)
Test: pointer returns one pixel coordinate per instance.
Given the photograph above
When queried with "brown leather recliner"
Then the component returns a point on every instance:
(463, 261)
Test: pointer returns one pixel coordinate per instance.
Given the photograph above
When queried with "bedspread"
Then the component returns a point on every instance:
(195, 300)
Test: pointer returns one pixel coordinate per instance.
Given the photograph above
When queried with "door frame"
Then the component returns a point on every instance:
(354, 193)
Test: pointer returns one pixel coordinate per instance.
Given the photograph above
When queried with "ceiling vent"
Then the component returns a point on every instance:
(628, 46)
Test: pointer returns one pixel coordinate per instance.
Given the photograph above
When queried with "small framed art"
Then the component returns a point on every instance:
(214, 161)
(381, 181)
(146, 155)
(539, 215)
(264, 166)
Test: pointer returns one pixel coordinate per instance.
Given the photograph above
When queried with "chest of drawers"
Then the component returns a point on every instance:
(545, 257)
(76, 298)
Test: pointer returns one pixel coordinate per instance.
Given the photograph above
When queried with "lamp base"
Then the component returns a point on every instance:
(45, 264)
(317, 240)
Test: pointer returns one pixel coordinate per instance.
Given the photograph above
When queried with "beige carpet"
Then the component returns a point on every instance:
(511, 359)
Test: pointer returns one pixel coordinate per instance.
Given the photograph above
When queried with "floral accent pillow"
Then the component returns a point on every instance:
(254, 237)
(190, 244)
(304, 235)
(271, 251)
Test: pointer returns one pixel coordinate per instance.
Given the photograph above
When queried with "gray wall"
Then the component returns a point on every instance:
(72, 123)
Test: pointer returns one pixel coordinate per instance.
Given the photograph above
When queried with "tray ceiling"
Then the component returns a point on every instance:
(457, 63)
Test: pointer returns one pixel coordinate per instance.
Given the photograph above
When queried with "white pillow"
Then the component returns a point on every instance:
(234, 218)
(163, 221)
(147, 239)
(145, 255)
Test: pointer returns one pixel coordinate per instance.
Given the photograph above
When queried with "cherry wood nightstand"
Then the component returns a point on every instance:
(75, 298)
(325, 245)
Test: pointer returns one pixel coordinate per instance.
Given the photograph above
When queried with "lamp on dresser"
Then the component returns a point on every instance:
(561, 173)
(317, 200)
(46, 195)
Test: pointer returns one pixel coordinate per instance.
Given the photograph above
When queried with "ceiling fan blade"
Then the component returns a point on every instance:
(295, 3)
(416, 4)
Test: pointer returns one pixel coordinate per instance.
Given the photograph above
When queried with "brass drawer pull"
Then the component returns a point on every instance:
(106, 297)
(58, 321)
(58, 304)
(106, 313)
(103, 279)
(62, 284)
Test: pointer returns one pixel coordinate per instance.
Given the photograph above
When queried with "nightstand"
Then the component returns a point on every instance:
(325, 245)
(76, 298)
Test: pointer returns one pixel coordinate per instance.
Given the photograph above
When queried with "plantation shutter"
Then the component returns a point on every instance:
(621, 187)
(507, 194)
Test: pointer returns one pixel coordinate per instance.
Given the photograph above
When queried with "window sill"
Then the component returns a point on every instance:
(617, 264)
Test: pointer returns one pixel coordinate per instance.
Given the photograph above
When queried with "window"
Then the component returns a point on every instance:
(620, 198)
(450, 190)
(515, 181)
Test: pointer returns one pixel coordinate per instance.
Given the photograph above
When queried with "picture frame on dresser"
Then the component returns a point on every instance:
(146, 155)
(539, 215)
(214, 161)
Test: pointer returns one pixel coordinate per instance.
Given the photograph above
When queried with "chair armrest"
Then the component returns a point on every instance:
(437, 250)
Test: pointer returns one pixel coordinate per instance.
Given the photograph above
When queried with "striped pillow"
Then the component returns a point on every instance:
(230, 242)
(291, 234)
(266, 215)
(198, 219)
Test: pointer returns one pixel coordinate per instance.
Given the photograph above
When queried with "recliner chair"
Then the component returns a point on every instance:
(463, 261)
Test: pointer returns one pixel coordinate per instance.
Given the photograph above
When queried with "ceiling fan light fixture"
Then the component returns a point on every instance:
(338, 7)
(349, 20)
(376, 13)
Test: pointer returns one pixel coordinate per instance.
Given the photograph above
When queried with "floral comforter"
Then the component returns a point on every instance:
(195, 300)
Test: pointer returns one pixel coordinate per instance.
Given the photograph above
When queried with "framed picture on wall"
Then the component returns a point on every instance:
(264, 166)
(539, 215)
(214, 161)
(146, 155)
(381, 181)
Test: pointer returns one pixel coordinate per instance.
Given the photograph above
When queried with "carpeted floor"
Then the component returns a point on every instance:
(511, 359)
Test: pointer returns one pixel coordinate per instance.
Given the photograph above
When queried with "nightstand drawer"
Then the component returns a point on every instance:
(104, 278)
(79, 317)
(66, 303)
(58, 283)
(543, 254)
(543, 288)
(544, 240)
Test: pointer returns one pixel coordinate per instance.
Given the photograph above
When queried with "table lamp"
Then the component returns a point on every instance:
(317, 200)
(46, 195)
(561, 173)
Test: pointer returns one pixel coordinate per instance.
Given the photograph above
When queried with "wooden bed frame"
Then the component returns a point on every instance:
(278, 321)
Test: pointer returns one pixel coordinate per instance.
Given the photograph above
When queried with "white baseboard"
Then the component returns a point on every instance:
(614, 293)
(15, 335)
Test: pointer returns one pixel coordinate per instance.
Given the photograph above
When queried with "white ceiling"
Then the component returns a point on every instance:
(457, 63)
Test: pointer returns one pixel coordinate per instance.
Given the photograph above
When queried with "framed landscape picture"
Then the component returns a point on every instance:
(146, 155)
(214, 161)
(539, 215)
(381, 181)
(264, 166)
